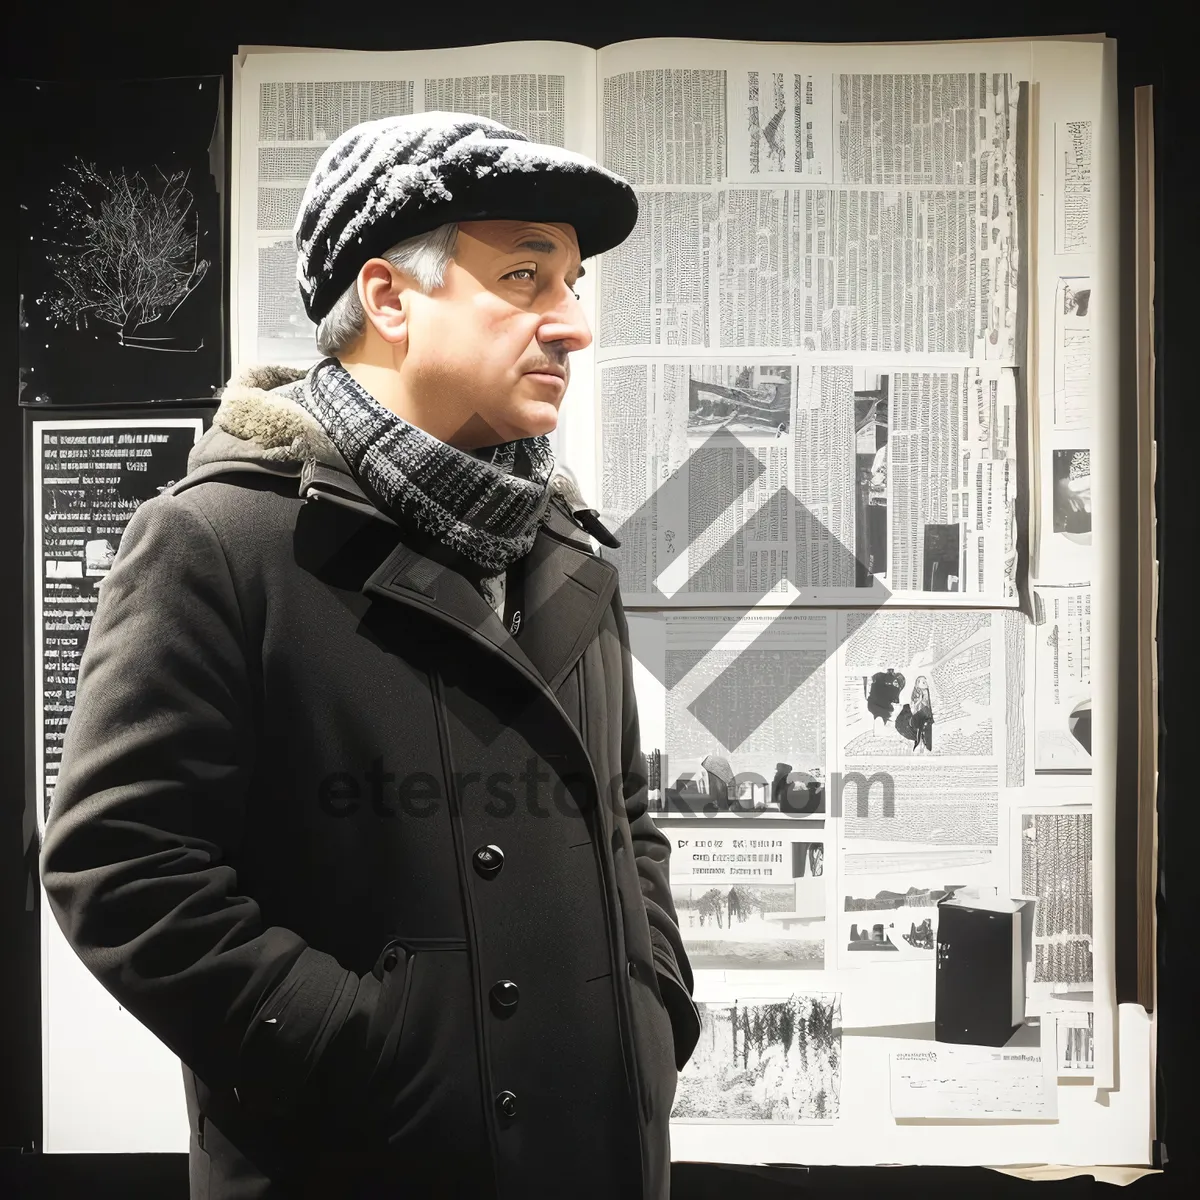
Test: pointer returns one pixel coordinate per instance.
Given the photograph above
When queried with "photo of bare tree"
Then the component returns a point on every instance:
(120, 275)
(130, 258)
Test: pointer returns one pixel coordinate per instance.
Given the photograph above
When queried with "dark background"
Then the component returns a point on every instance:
(67, 41)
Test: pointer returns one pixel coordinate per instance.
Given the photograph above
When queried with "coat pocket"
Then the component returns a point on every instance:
(427, 1083)
(394, 970)
(654, 1041)
(346, 1078)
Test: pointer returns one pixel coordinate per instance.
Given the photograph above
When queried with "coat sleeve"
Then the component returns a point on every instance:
(149, 803)
(652, 852)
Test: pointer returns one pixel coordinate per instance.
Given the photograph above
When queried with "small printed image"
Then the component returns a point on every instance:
(1072, 475)
(765, 1061)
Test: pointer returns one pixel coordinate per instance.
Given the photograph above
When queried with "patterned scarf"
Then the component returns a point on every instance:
(485, 507)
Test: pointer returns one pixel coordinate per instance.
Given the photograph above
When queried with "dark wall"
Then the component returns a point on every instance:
(68, 41)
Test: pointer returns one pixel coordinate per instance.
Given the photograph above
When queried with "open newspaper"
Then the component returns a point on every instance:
(805, 383)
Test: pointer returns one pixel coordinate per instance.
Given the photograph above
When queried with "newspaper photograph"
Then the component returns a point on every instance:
(781, 126)
(919, 725)
(1075, 1036)
(1065, 518)
(764, 1059)
(750, 898)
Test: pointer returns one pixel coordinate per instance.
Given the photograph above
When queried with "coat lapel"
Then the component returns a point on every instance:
(567, 590)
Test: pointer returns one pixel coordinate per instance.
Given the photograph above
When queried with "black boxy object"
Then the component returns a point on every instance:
(982, 947)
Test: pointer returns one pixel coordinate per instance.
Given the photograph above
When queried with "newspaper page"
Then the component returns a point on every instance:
(967, 1082)
(920, 738)
(747, 229)
(1063, 680)
(811, 336)
(1067, 400)
(751, 898)
(1078, 549)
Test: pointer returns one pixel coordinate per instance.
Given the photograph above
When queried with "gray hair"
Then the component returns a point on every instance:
(424, 257)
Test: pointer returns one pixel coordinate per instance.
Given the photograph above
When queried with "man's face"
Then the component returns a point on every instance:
(474, 360)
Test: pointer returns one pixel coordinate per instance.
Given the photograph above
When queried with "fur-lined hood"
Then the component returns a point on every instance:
(261, 420)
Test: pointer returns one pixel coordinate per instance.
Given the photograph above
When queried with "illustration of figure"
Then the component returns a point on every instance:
(915, 720)
(816, 858)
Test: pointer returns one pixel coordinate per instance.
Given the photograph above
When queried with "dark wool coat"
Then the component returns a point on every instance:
(381, 875)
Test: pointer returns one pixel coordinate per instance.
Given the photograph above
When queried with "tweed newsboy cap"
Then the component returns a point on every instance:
(391, 179)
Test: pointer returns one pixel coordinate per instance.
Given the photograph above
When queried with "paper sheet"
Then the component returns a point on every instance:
(969, 1082)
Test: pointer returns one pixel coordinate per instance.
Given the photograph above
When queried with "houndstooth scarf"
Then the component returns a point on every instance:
(485, 507)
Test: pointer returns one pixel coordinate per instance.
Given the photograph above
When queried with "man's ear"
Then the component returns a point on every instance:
(380, 287)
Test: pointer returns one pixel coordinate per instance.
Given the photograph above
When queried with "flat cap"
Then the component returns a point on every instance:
(387, 180)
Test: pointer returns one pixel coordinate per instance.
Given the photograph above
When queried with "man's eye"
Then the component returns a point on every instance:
(532, 271)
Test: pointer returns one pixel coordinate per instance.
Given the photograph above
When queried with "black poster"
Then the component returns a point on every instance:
(121, 220)
(87, 478)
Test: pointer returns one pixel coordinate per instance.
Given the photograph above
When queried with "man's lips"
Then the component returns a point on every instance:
(549, 376)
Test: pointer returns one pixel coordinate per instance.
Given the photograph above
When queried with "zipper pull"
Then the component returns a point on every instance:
(587, 518)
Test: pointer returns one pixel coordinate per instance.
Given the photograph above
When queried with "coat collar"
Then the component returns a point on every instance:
(567, 590)
(261, 427)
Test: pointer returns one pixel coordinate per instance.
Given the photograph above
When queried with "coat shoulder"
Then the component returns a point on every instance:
(243, 506)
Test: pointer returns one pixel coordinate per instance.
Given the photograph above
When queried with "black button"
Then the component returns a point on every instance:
(390, 960)
(631, 967)
(488, 860)
(506, 1102)
(505, 994)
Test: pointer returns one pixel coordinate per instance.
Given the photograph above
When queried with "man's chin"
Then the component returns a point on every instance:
(532, 419)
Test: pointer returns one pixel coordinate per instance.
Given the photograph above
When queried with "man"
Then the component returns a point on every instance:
(351, 811)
